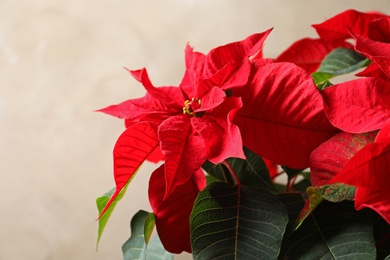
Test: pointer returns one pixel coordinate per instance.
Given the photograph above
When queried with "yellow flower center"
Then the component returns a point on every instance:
(191, 105)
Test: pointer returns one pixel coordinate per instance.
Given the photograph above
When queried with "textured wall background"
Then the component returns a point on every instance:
(60, 60)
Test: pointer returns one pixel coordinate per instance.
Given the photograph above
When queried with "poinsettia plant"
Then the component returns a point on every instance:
(237, 122)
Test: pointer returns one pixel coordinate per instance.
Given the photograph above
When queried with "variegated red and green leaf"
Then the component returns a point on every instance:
(330, 157)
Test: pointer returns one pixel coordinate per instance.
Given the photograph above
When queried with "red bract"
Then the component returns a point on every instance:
(195, 119)
(358, 106)
(368, 170)
(308, 53)
(173, 213)
(337, 27)
(282, 118)
(378, 53)
(359, 160)
(134, 145)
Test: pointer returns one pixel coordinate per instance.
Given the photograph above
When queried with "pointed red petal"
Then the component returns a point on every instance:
(213, 98)
(173, 212)
(222, 138)
(183, 148)
(132, 148)
(331, 156)
(194, 71)
(373, 70)
(169, 96)
(235, 52)
(358, 106)
(308, 53)
(282, 117)
(379, 30)
(142, 109)
(377, 52)
(336, 28)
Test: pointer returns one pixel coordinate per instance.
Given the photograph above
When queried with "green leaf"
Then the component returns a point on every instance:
(156, 250)
(340, 61)
(325, 84)
(101, 203)
(294, 203)
(332, 231)
(237, 222)
(250, 172)
(331, 192)
(150, 222)
(137, 246)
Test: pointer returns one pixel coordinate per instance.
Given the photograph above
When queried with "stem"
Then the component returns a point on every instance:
(291, 183)
(232, 171)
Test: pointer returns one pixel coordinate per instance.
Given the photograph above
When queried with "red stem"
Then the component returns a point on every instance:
(232, 171)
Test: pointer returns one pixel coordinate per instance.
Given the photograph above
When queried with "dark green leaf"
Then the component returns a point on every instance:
(291, 173)
(237, 222)
(101, 203)
(294, 203)
(217, 172)
(251, 172)
(340, 61)
(137, 247)
(332, 231)
(382, 236)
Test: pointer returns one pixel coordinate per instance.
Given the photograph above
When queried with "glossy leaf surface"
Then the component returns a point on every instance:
(251, 172)
(332, 231)
(237, 222)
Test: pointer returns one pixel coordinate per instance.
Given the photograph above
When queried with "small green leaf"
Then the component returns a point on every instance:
(332, 231)
(325, 84)
(336, 192)
(101, 203)
(340, 61)
(331, 192)
(237, 222)
(137, 247)
(150, 222)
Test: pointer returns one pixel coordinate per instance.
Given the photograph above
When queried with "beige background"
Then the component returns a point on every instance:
(60, 60)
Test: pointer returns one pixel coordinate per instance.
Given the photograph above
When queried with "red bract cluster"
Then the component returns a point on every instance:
(233, 97)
